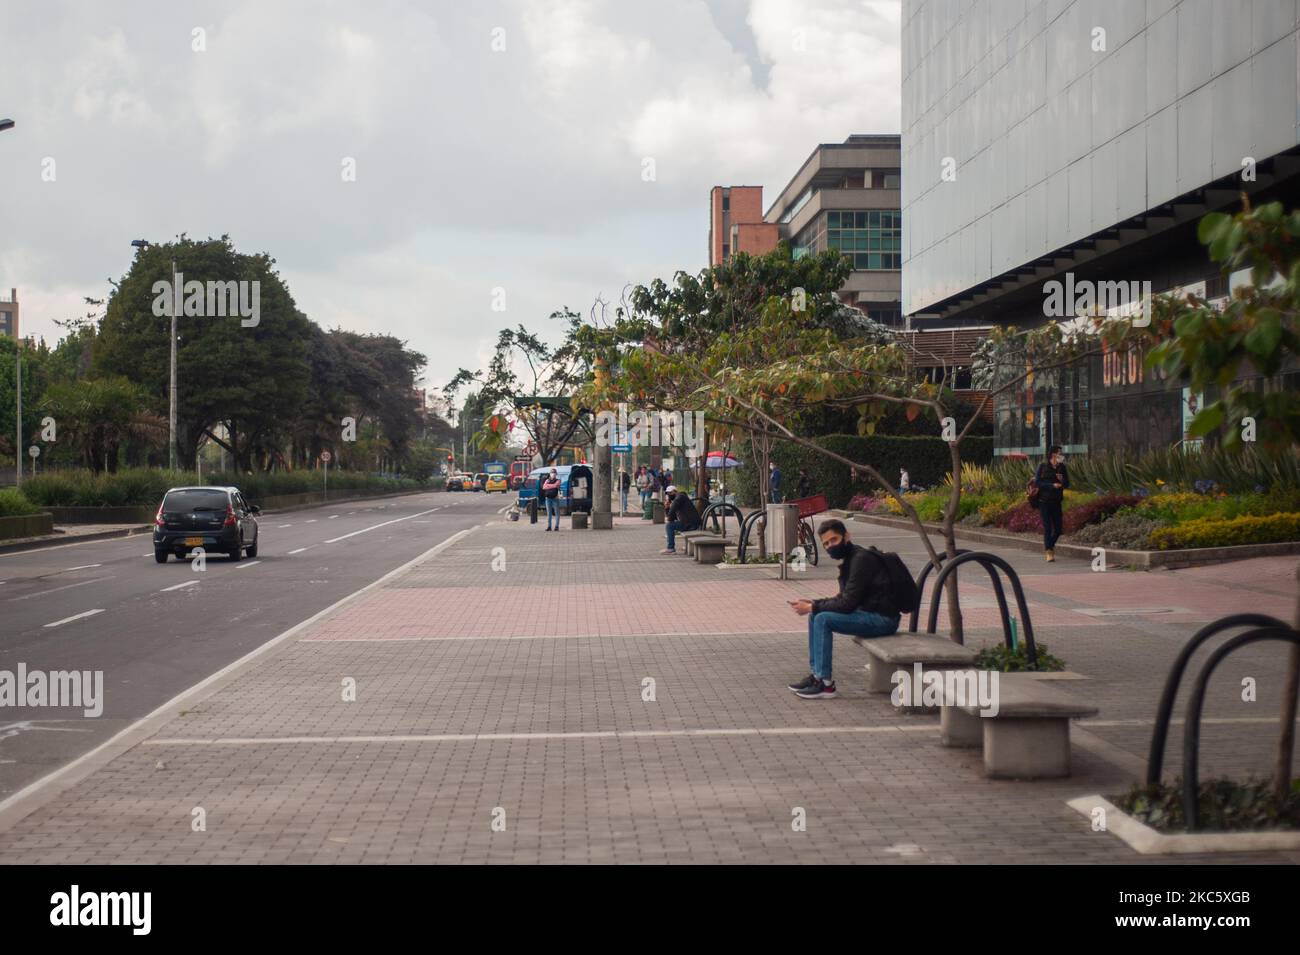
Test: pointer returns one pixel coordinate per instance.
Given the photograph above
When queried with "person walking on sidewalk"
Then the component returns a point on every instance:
(643, 485)
(551, 496)
(1052, 479)
(624, 485)
(682, 516)
(864, 607)
(774, 482)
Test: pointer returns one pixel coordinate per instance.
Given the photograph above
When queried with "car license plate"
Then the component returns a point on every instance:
(194, 542)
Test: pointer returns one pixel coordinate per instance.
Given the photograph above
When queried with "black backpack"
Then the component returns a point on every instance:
(903, 595)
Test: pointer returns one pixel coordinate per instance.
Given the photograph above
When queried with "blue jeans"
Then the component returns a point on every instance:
(823, 626)
(672, 528)
(623, 498)
(552, 509)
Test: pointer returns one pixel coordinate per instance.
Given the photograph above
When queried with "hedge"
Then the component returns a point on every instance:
(927, 460)
(13, 503)
(139, 486)
(1238, 530)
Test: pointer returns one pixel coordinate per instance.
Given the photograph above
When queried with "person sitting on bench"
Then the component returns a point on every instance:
(682, 516)
(862, 608)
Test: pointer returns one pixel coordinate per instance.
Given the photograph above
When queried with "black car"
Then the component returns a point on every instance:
(214, 518)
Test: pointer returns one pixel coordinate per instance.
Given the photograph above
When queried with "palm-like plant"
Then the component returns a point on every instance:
(96, 415)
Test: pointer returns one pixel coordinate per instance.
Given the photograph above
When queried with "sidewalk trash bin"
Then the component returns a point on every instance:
(648, 510)
(579, 519)
(659, 512)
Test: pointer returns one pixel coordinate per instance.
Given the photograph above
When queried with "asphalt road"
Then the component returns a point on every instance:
(158, 629)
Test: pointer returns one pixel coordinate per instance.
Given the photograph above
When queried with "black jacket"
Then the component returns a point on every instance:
(682, 509)
(1045, 477)
(864, 585)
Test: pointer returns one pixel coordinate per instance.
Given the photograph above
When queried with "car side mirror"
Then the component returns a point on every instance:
(254, 509)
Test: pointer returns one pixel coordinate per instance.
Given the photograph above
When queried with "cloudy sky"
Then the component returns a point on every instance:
(476, 168)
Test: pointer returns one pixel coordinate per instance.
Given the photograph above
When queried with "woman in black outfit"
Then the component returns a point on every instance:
(1052, 479)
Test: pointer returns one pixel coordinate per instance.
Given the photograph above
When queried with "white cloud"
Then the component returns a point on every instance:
(474, 168)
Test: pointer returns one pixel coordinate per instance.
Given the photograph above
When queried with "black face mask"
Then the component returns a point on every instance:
(839, 551)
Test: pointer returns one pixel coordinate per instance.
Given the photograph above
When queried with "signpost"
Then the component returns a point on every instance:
(325, 456)
(35, 453)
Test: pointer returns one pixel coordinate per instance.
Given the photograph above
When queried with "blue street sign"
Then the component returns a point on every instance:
(620, 448)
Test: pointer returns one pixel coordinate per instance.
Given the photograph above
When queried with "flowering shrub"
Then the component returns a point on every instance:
(1128, 529)
(1247, 529)
(865, 502)
(1080, 510)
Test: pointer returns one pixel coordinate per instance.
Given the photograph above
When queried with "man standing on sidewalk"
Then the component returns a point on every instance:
(863, 608)
(1052, 479)
(774, 483)
(550, 489)
(682, 516)
(624, 485)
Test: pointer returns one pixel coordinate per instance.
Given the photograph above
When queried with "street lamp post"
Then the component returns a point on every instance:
(18, 375)
(143, 244)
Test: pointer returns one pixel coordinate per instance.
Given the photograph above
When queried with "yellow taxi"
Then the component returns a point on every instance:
(497, 482)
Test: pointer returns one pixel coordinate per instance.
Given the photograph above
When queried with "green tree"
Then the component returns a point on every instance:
(1208, 347)
(251, 380)
(97, 415)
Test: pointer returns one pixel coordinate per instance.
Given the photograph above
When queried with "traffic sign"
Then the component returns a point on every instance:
(326, 456)
(620, 448)
(34, 451)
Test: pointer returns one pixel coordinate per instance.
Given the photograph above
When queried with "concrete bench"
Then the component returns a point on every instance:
(710, 550)
(688, 537)
(902, 651)
(1027, 738)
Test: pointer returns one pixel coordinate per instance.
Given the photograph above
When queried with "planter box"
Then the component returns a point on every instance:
(134, 514)
(144, 514)
(1147, 841)
(31, 525)
(1140, 559)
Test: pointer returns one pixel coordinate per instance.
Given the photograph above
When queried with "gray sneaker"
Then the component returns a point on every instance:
(808, 681)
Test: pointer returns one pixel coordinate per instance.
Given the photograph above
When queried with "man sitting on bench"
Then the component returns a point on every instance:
(682, 516)
(863, 608)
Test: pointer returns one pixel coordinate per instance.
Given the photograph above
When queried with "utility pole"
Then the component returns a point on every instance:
(171, 411)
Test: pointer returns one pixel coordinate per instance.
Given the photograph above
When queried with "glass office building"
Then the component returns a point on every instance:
(1046, 137)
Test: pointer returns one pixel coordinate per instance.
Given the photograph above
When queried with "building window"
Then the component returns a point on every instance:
(892, 180)
(726, 250)
(726, 202)
(872, 239)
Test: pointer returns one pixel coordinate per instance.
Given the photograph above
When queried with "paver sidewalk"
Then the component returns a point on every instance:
(502, 715)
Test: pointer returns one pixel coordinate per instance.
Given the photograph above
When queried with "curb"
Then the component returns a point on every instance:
(36, 543)
(1147, 841)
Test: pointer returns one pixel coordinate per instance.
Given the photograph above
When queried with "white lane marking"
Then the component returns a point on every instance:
(333, 516)
(298, 551)
(188, 583)
(248, 563)
(283, 525)
(75, 616)
(79, 583)
(413, 522)
(80, 567)
(312, 521)
(373, 527)
(150, 554)
(13, 808)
